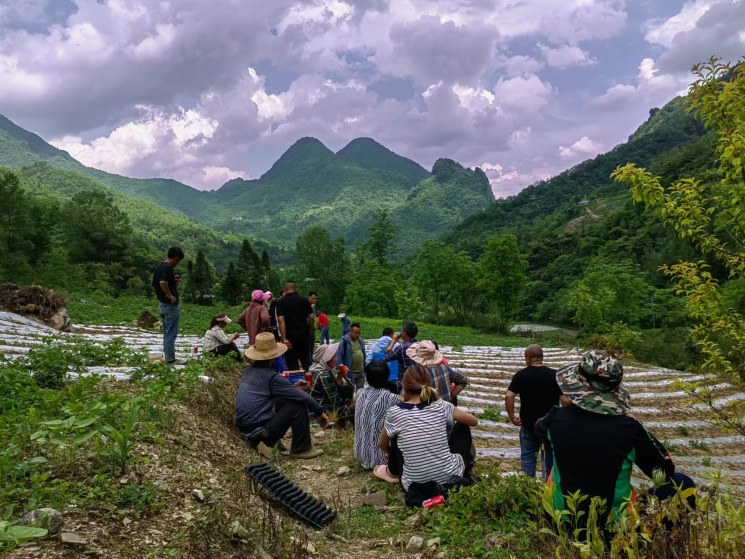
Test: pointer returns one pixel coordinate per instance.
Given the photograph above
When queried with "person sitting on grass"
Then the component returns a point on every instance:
(372, 403)
(217, 342)
(331, 389)
(442, 377)
(415, 434)
(268, 405)
(596, 441)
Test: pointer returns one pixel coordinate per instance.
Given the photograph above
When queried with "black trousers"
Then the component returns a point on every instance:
(299, 356)
(288, 414)
(225, 349)
(460, 442)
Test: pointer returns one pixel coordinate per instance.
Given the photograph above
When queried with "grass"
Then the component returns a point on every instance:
(100, 309)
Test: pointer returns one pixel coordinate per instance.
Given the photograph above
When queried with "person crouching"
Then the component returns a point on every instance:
(268, 405)
(217, 342)
(331, 389)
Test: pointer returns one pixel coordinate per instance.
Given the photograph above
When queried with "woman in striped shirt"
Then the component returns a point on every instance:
(373, 402)
(416, 433)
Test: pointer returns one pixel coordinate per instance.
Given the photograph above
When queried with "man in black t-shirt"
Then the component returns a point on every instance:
(539, 392)
(295, 316)
(166, 290)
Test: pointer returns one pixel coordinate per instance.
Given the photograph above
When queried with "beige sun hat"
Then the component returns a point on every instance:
(424, 353)
(265, 348)
(324, 353)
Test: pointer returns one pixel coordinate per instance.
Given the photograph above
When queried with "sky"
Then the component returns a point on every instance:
(204, 91)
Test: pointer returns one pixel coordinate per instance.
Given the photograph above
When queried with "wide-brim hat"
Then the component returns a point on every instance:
(595, 384)
(325, 353)
(265, 348)
(424, 353)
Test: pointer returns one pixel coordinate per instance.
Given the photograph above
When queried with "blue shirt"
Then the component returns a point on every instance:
(398, 353)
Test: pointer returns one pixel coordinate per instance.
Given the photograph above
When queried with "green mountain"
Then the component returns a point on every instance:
(308, 185)
(367, 153)
(583, 224)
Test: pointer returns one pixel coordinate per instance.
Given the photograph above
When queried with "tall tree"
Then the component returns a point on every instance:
(709, 214)
(325, 264)
(232, 286)
(95, 229)
(14, 228)
(201, 280)
(502, 275)
(382, 234)
(249, 266)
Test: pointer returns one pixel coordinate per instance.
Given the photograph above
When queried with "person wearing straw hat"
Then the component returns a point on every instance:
(268, 405)
(596, 441)
(425, 353)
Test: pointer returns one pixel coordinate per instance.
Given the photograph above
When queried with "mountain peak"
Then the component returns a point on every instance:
(306, 151)
(367, 153)
(36, 145)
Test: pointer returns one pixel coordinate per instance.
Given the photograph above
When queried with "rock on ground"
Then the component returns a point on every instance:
(415, 544)
(49, 519)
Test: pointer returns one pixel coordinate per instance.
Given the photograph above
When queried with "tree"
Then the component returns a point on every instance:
(232, 286)
(710, 216)
(372, 289)
(382, 233)
(95, 229)
(249, 266)
(14, 228)
(201, 281)
(502, 275)
(446, 280)
(324, 265)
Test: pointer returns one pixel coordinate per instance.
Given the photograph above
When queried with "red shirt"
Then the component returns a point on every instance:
(323, 320)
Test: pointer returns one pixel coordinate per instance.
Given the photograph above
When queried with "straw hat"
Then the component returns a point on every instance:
(424, 353)
(265, 348)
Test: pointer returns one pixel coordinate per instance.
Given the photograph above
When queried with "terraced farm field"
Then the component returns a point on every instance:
(698, 447)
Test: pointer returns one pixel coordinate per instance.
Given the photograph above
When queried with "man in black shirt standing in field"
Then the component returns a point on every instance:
(296, 324)
(539, 392)
(164, 283)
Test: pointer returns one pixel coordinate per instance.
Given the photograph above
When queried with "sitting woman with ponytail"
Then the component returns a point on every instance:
(415, 434)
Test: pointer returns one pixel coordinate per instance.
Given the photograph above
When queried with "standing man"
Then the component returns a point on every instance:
(313, 300)
(539, 392)
(295, 316)
(346, 324)
(273, 320)
(255, 319)
(352, 355)
(164, 283)
(400, 343)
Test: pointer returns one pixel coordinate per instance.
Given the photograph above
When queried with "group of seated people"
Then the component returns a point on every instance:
(419, 436)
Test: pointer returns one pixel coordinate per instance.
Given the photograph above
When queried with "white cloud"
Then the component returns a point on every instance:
(584, 147)
(652, 88)
(566, 56)
(662, 32)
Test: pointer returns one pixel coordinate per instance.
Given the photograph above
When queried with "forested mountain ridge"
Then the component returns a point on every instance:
(548, 205)
(592, 255)
(19, 147)
(309, 185)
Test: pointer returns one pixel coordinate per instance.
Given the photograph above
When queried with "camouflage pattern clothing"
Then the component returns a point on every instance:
(594, 384)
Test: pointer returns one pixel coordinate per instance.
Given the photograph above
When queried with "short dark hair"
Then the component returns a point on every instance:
(410, 328)
(312, 293)
(175, 252)
(355, 325)
(377, 373)
(387, 331)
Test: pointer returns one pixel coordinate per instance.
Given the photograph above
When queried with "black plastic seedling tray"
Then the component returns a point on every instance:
(291, 496)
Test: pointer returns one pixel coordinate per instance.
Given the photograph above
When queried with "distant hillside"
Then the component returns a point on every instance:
(309, 185)
(160, 228)
(581, 220)
(547, 205)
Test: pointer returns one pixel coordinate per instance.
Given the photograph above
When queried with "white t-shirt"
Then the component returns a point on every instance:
(422, 431)
(214, 337)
